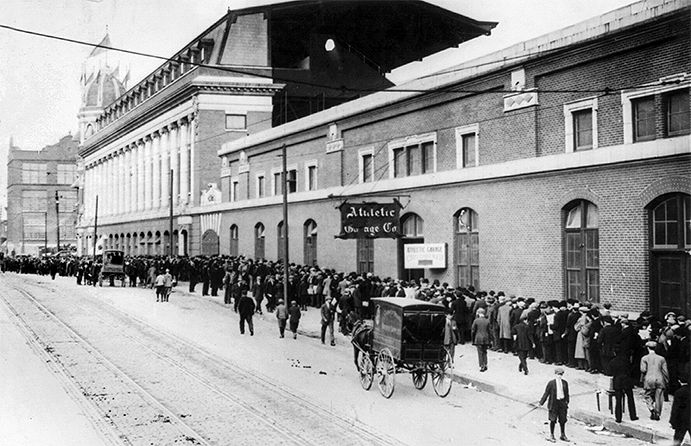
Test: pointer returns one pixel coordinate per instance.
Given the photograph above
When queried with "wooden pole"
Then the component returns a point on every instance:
(285, 225)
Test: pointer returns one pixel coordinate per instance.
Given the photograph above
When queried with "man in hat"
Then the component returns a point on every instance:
(282, 317)
(294, 318)
(557, 391)
(246, 309)
(655, 379)
(679, 418)
(522, 341)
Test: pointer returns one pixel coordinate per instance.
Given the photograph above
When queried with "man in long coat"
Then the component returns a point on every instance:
(246, 309)
(504, 321)
(655, 380)
(480, 336)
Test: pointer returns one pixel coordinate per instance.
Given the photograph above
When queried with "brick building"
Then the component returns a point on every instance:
(149, 155)
(40, 191)
(556, 168)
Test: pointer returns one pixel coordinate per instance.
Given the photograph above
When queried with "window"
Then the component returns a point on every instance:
(261, 186)
(34, 224)
(310, 241)
(643, 118)
(67, 228)
(34, 201)
(34, 173)
(365, 255)
(582, 251)
(583, 130)
(312, 176)
(66, 173)
(234, 195)
(467, 248)
(414, 156)
(234, 240)
(292, 182)
(278, 190)
(259, 238)
(366, 166)
(67, 201)
(580, 121)
(236, 122)
(467, 146)
(677, 113)
(672, 223)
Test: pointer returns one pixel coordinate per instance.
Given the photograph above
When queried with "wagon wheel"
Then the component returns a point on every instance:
(366, 369)
(386, 373)
(442, 375)
(419, 378)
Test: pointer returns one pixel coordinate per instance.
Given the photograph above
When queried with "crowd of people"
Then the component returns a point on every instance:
(646, 351)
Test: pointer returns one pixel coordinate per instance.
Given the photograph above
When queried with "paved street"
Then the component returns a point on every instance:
(181, 373)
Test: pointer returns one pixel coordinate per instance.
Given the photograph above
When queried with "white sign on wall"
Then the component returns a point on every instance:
(424, 255)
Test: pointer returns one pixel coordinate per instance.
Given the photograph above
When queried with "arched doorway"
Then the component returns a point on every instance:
(412, 231)
(310, 243)
(670, 264)
(210, 243)
(582, 251)
(259, 239)
(234, 240)
(467, 248)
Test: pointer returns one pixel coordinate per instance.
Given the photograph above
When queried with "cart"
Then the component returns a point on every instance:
(406, 335)
(113, 267)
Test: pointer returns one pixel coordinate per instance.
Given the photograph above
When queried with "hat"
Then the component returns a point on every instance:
(651, 344)
(280, 301)
(583, 309)
(670, 314)
(559, 370)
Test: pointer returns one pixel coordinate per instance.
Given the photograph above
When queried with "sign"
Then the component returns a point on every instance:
(370, 220)
(424, 255)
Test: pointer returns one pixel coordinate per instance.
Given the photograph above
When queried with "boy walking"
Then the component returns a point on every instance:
(557, 391)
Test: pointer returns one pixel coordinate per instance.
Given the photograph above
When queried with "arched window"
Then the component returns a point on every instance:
(157, 243)
(210, 243)
(280, 240)
(582, 251)
(670, 264)
(259, 239)
(412, 230)
(467, 248)
(310, 243)
(234, 249)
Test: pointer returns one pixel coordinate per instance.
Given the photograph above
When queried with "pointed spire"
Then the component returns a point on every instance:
(101, 47)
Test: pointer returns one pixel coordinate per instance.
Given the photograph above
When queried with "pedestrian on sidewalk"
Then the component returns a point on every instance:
(481, 338)
(327, 321)
(622, 383)
(282, 316)
(557, 391)
(294, 318)
(159, 283)
(450, 334)
(655, 379)
(522, 342)
(167, 284)
(679, 418)
(246, 309)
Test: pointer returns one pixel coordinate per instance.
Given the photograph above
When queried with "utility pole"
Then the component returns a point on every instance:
(285, 224)
(170, 229)
(95, 228)
(45, 233)
(57, 216)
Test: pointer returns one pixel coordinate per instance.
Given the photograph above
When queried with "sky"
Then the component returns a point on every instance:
(39, 77)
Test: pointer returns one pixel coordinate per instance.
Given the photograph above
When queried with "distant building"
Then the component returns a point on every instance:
(40, 191)
(154, 148)
(557, 168)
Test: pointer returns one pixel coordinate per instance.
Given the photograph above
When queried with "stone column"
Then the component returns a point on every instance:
(127, 180)
(184, 162)
(194, 193)
(106, 197)
(140, 175)
(173, 141)
(156, 170)
(147, 173)
(165, 168)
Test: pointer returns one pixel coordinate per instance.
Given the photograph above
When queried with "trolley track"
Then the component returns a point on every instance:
(215, 401)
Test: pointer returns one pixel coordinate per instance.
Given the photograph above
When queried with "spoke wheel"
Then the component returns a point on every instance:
(419, 378)
(386, 373)
(366, 369)
(442, 376)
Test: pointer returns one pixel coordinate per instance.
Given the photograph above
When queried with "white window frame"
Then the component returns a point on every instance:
(361, 163)
(470, 129)
(569, 110)
(410, 141)
(276, 170)
(308, 164)
(257, 177)
(628, 96)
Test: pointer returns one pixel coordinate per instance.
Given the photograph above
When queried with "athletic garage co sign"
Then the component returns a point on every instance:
(370, 220)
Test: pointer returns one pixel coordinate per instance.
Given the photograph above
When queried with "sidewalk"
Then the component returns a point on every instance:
(503, 378)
